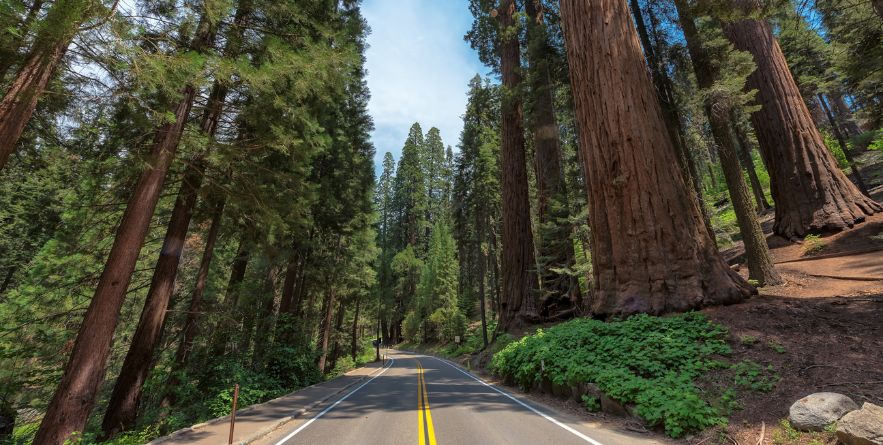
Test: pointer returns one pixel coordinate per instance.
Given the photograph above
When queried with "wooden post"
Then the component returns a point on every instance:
(233, 413)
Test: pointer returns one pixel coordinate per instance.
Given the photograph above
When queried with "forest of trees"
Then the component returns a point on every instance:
(188, 198)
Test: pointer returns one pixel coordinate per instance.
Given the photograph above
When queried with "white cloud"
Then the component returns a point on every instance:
(418, 68)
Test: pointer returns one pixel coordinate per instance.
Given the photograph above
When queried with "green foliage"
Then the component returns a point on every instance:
(651, 362)
(591, 403)
(835, 149)
(747, 340)
(776, 346)
(750, 375)
(449, 322)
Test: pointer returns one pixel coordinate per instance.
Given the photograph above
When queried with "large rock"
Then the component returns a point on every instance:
(816, 411)
(862, 427)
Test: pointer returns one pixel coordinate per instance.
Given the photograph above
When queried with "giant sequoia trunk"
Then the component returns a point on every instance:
(561, 289)
(810, 192)
(58, 29)
(189, 330)
(651, 251)
(519, 275)
(757, 253)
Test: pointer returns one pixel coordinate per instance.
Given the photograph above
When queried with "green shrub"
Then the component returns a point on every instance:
(651, 362)
(448, 323)
(834, 147)
(750, 375)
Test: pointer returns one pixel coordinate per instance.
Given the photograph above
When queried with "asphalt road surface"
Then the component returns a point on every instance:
(417, 399)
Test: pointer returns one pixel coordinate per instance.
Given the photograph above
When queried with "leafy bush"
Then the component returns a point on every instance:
(651, 362)
(411, 327)
(449, 323)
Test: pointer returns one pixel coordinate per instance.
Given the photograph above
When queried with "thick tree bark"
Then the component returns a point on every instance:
(519, 275)
(841, 140)
(60, 25)
(122, 409)
(123, 406)
(189, 330)
(760, 264)
(338, 327)
(555, 246)
(670, 112)
(292, 273)
(75, 396)
(748, 165)
(651, 251)
(810, 191)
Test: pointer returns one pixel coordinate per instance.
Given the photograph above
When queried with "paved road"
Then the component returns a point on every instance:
(422, 400)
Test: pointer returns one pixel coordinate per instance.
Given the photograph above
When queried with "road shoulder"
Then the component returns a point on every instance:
(259, 420)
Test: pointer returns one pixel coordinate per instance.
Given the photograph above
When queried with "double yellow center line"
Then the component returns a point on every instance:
(425, 430)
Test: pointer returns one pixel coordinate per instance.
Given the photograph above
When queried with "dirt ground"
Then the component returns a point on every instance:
(822, 330)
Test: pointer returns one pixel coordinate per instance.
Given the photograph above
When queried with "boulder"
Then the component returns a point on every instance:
(862, 427)
(816, 411)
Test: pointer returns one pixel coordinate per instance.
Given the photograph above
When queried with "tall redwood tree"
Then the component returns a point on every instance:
(122, 409)
(561, 292)
(519, 267)
(651, 251)
(75, 396)
(810, 191)
(54, 35)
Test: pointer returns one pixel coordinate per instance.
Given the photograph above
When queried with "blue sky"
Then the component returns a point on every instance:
(418, 68)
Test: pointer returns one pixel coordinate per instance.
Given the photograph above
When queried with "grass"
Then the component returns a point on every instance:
(813, 244)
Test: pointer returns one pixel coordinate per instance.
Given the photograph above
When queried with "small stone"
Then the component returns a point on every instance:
(862, 427)
(816, 411)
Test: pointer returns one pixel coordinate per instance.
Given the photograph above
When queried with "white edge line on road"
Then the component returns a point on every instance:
(324, 411)
(536, 411)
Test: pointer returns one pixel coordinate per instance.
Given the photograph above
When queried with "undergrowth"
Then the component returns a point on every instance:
(654, 363)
